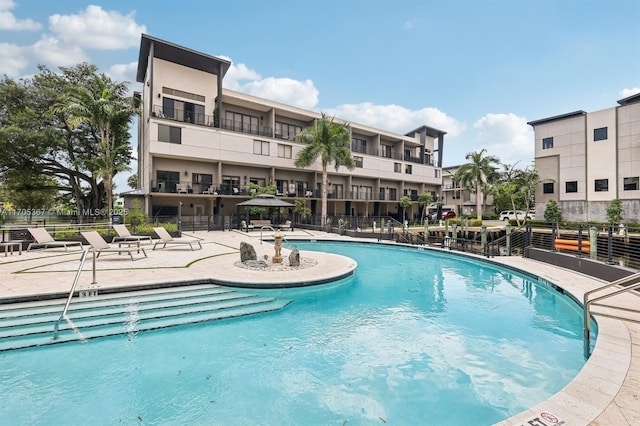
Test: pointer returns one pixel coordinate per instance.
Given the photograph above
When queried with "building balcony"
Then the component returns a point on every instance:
(183, 116)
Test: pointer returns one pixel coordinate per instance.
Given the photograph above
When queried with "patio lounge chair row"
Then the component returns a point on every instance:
(97, 242)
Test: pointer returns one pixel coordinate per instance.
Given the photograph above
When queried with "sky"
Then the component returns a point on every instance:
(478, 70)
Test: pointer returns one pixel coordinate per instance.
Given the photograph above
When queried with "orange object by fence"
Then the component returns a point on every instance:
(571, 245)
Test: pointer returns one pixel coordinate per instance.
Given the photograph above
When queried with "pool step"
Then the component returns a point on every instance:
(32, 324)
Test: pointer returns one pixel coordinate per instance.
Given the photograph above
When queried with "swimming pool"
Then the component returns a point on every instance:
(414, 337)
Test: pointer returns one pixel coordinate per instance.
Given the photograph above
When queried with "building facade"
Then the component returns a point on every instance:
(586, 160)
(202, 145)
(459, 199)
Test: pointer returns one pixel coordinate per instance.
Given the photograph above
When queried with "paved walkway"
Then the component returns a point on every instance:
(605, 392)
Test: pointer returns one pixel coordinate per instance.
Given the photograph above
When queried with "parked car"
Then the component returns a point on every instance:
(449, 214)
(513, 214)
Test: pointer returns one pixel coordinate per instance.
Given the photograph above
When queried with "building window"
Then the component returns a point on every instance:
(600, 134)
(631, 183)
(170, 134)
(602, 185)
(408, 169)
(547, 143)
(284, 151)
(201, 182)
(241, 123)
(166, 180)
(571, 186)
(260, 147)
(386, 151)
(358, 161)
(359, 145)
(230, 184)
(183, 111)
(286, 131)
(393, 193)
(397, 167)
(437, 173)
(547, 188)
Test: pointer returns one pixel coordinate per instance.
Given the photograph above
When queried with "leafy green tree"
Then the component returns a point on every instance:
(552, 212)
(132, 181)
(301, 208)
(405, 202)
(424, 200)
(331, 142)
(478, 176)
(255, 190)
(614, 212)
(31, 192)
(102, 104)
(135, 215)
(33, 140)
(518, 186)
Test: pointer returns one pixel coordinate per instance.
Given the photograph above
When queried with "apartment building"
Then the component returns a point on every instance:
(585, 160)
(202, 145)
(459, 199)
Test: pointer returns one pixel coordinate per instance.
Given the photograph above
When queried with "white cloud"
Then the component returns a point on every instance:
(628, 92)
(12, 59)
(236, 74)
(9, 22)
(398, 119)
(409, 24)
(50, 51)
(302, 94)
(241, 78)
(123, 72)
(96, 28)
(507, 137)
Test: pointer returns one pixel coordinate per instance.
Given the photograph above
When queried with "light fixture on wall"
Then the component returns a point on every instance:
(186, 173)
(159, 95)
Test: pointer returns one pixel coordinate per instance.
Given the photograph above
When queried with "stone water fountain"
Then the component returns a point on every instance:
(249, 258)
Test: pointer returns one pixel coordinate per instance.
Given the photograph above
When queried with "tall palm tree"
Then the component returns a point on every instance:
(101, 104)
(478, 176)
(331, 142)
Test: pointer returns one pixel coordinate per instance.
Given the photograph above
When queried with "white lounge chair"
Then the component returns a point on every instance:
(43, 238)
(166, 238)
(101, 246)
(125, 235)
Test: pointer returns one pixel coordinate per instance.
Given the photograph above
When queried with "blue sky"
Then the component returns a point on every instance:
(478, 70)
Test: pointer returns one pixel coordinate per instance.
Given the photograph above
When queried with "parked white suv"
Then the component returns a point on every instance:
(512, 214)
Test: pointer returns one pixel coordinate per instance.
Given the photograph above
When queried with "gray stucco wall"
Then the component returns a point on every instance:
(593, 211)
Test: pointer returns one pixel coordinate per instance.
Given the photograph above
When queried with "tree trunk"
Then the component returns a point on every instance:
(323, 211)
(478, 202)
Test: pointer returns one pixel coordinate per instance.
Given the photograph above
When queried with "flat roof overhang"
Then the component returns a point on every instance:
(179, 55)
(557, 117)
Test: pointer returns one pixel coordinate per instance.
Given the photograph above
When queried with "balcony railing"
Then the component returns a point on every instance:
(246, 128)
(208, 120)
(183, 187)
(184, 116)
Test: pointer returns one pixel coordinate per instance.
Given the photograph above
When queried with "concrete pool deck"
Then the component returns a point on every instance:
(605, 392)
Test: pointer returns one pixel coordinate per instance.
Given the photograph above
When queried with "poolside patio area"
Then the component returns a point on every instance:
(605, 392)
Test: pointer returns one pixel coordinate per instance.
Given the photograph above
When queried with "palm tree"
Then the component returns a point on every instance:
(101, 104)
(478, 175)
(330, 141)
(424, 200)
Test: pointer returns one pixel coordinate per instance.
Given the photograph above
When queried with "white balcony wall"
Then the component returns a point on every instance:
(174, 76)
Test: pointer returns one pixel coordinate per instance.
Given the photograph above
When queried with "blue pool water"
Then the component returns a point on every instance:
(413, 337)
